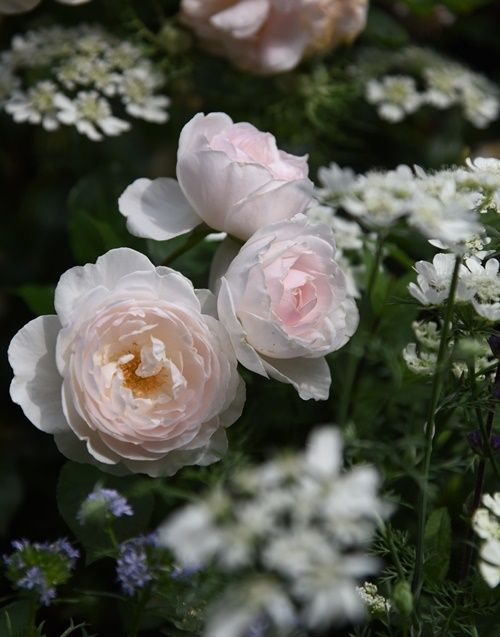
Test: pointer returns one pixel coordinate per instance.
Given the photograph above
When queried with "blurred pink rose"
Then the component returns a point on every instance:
(231, 176)
(271, 36)
(283, 301)
(20, 6)
(132, 374)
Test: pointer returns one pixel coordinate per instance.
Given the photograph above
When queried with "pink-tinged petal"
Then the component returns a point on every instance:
(214, 185)
(81, 280)
(283, 43)
(261, 209)
(162, 283)
(201, 129)
(157, 209)
(36, 386)
(245, 353)
(221, 261)
(75, 449)
(243, 19)
(235, 409)
(208, 302)
(310, 376)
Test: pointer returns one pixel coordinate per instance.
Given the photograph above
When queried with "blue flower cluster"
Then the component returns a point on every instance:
(135, 567)
(39, 567)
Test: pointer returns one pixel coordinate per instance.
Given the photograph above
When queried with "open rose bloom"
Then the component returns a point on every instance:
(231, 176)
(20, 6)
(272, 36)
(133, 373)
(284, 303)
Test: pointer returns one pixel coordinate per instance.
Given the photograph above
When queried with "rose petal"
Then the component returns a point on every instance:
(310, 376)
(157, 209)
(36, 386)
(107, 271)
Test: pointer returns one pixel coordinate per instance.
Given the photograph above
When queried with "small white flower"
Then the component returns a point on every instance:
(245, 606)
(88, 112)
(419, 361)
(335, 181)
(427, 333)
(136, 88)
(377, 604)
(483, 283)
(396, 96)
(489, 565)
(37, 106)
(434, 279)
(379, 198)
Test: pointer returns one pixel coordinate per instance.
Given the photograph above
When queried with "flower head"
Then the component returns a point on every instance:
(103, 501)
(129, 349)
(230, 175)
(136, 566)
(40, 567)
(272, 36)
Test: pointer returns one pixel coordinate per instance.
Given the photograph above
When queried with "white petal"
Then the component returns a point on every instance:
(200, 129)
(310, 376)
(157, 209)
(245, 353)
(324, 452)
(37, 384)
(17, 6)
(221, 261)
(107, 271)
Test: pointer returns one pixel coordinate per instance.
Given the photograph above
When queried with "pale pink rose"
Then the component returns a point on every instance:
(133, 373)
(20, 6)
(283, 301)
(231, 176)
(272, 36)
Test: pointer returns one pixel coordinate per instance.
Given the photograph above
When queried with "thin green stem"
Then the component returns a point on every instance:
(139, 609)
(32, 622)
(437, 384)
(358, 343)
(193, 239)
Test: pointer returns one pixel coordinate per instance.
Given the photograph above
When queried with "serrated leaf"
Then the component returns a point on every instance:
(75, 483)
(437, 546)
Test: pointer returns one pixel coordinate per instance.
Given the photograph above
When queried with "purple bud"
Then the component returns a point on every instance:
(475, 440)
(107, 501)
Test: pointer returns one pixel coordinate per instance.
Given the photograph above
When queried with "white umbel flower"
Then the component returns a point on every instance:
(395, 96)
(419, 361)
(304, 520)
(37, 106)
(90, 112)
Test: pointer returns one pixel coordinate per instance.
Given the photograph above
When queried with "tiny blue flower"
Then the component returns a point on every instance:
(103, 501)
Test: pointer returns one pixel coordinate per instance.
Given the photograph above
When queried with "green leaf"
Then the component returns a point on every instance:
(15, 618)
(95, 224)
(383, 29)
(437, 546)
(76, 482)
(39, 298)
(11, 493)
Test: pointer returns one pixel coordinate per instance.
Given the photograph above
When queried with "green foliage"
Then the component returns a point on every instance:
(437, 545)
(15, 618)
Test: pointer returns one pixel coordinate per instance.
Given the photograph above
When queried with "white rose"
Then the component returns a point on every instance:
(231, 176)
(283, 301)
(132, 374)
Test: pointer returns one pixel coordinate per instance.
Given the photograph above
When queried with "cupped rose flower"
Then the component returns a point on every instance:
(133, 373)
(272, 36)
(283, 301)
(231, 176)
